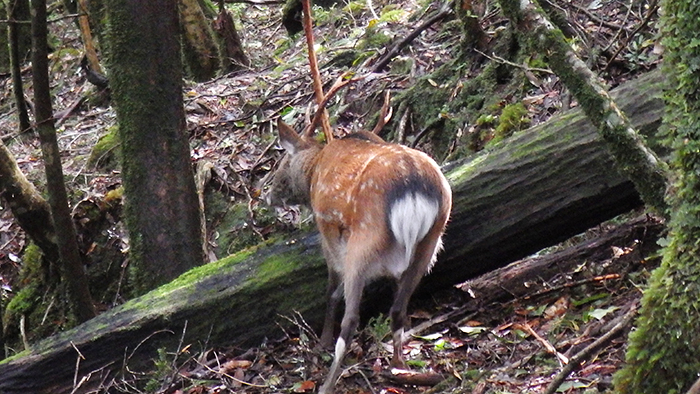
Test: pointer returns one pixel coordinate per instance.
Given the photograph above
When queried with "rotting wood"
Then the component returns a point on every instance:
(519, 278)
(535, 189)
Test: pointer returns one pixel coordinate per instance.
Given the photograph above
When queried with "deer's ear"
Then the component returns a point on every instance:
(289, 139)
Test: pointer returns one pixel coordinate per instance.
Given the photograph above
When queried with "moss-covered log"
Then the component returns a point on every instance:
(535, 189)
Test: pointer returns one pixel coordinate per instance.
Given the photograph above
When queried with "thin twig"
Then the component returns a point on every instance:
(321, 110)
(385, 114)
(77, 366)
(501, 60)
(396, 49)
(652, 10)
(588, 351)
(550, 348)
(371, 9)
(369, 384)
(23, 331)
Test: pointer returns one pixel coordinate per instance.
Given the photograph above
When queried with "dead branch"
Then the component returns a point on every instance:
(396, 49)
(385, 115)
(321, 110)
(600, 278)
(588, 351)
(410, 378)
(315, 74)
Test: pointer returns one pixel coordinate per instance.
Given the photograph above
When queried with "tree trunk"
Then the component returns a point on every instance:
(535, 189)
(201, 53)
(72, 271)
(664, 351)
(234, 57)
(19, 38)
(161, 208)
(30, 210)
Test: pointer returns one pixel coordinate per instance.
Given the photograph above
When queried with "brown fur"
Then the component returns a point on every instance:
(352, 185)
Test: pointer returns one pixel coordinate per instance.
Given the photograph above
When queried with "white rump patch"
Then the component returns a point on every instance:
(410, 218)
(339, 349)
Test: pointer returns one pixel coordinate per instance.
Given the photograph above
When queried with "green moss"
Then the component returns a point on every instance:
(392, 15)
(374, 38)
(462, 172)
(356, 8)
(446, 111)
(278, 265)
(512, 119)
(22, 303)
(402, 65)
(38, 303)
(106, 153)
(663, 355)
(187, 279)
(31, 279)
(229, 223)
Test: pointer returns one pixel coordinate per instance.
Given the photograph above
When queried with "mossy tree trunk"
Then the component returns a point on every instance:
(4, 47)
(474, 37)
(30, 210)
(540, 186)
(72, 270)
(19, 38)
(632, 156)
(200, 49)
(161, 209)
(233, 55)
(664, 351)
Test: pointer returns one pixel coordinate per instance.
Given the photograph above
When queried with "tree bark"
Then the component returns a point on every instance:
(72, 271)
(535, 189)
(18, 11)
(161, 207)
(234, 57)
(30, 210)
(201, 52)
(663, 354)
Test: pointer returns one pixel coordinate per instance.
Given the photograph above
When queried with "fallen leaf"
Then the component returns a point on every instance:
(303, 387)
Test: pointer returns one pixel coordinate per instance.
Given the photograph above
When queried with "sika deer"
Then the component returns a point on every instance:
(381, 209)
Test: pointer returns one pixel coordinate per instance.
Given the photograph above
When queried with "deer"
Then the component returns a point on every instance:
(381, 209)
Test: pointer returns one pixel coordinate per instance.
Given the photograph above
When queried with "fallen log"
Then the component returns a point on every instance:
(638, 237)
(538, 188)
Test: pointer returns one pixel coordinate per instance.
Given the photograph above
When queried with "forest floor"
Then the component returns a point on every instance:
(510, 343)
(507, 345)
